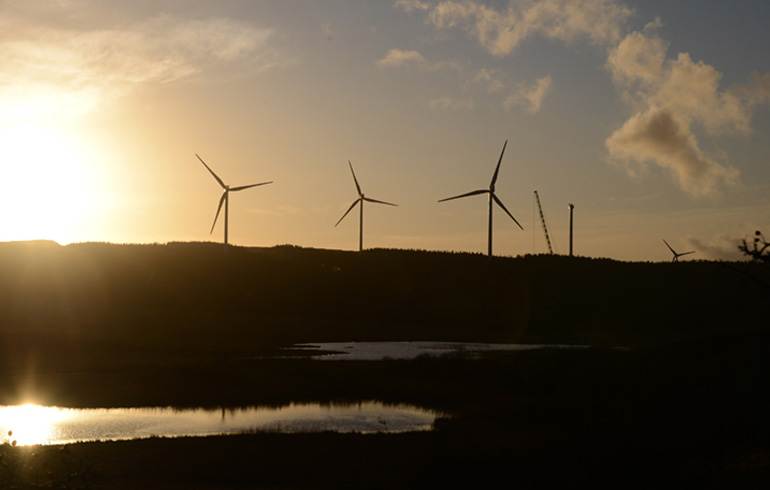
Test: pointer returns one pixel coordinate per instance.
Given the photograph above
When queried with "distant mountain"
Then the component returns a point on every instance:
(30, 244)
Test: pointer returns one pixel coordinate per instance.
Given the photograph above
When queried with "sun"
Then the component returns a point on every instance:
(46, 185)
(29, 424)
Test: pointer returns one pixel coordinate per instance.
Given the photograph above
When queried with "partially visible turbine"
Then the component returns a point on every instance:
(225, 199)
(676, 255)
(492, 197)
(360, 202)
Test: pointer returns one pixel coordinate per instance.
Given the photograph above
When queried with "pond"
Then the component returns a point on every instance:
(34, 424)
(377, 351)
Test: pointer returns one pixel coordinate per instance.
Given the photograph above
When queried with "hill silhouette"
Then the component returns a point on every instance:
(374, 295)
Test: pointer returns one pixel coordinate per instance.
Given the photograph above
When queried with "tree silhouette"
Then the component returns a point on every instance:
(758, 250)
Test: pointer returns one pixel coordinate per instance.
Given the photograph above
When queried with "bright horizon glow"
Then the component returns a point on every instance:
(635, 111)
(48, 183)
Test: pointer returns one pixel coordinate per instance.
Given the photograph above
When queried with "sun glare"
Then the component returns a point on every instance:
(45, 192)
(29, 424)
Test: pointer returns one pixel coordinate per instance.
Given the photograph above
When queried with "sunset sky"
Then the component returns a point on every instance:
(651, 116)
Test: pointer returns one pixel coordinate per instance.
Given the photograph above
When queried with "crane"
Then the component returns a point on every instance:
(542, 220)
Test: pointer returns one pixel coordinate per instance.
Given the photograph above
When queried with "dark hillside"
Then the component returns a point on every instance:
(378, 294)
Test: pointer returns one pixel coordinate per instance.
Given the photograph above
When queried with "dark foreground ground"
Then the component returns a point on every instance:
(684, 403)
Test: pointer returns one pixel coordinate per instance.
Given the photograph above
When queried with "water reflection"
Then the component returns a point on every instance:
(377, 351)
(32, 424)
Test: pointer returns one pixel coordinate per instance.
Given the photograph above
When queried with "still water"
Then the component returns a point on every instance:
(34, 424)
(378, 351)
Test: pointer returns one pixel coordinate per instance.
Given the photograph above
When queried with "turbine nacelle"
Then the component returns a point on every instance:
(492, 198)
(677, 254)
(360, 202)
(225, 199)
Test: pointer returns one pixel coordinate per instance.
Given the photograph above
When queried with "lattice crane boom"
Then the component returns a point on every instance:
(542, 220)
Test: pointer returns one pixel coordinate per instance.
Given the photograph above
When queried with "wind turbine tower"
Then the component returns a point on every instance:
(571, 208)
(360, 203)
(492, 197)
(225, 199)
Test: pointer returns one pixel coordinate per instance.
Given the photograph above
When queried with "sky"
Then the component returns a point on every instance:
(652, 117)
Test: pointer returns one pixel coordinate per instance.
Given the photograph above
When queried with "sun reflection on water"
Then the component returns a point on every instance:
(30, 424)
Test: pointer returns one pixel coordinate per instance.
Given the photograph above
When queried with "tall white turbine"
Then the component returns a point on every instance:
(225, 199)
(492, 197)
(360, 202)
(676, 255)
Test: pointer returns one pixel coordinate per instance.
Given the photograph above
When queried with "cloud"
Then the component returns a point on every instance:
(411, 5)
(326, 28)
(530, 96)
(664, 138)
(638, 59)
(502, 31)
(74, 71)
(757, 91)
(447, 103)
(670, 97)
(723, 247)
(398, 57)
(490, 79)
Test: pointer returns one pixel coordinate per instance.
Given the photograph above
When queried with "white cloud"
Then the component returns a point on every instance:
(411, 5)
(502, 31)
(74, 71)
(638, 59)
(326, 28)
(664, 138)
(669, 98)
(530, 96)
(398, 57)
(757, 91)
(692, 89)
(447, 103)
(490, 79)
(722, 247)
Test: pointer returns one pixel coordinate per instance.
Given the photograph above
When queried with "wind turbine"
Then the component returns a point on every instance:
(360, 202)
(676, 255)
(225, 199)
(492, 197)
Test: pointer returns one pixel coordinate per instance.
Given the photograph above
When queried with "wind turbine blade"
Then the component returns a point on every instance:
(212, 172)
(349, 210)
(369, 199)
(221, 201)
(687, 253)
(500, 203)
(240, 188)
(358, 187)
(669, 246)
(472, 193)
(497, 169)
